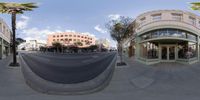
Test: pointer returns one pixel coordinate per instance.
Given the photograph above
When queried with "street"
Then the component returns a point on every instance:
(68, 68)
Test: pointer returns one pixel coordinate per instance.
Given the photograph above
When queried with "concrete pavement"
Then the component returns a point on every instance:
(133, 82)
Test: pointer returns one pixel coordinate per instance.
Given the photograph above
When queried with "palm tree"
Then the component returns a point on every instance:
(57, 45)
(119, 30)
(195, 5)
(14, 9)
(87, 42)
(78, 44)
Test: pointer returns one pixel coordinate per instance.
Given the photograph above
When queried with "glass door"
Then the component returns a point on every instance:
(171, 52)
(167, 53)
(164, 52)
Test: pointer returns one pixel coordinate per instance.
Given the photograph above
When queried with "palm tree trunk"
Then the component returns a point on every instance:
(13, 17)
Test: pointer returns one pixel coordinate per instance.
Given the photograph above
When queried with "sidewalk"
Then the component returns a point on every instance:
(132, 82)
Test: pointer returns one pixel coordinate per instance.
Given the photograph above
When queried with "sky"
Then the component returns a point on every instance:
(84, 16)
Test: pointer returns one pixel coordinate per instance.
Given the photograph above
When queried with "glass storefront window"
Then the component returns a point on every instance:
(155, 34)
(191, 37)
(169, 33)
(182, 50)
(192, 50)
(187, 50)
(152, 50)
(163, 33)
(143, 50)
(149, 50)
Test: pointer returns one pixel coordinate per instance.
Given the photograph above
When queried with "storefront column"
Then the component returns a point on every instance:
(1, 48)
(137, 51)
(198, 44)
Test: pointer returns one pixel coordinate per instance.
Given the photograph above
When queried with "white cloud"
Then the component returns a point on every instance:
(23, 22)
(36, 33)
(114, 16)
(73, 31)
(99, 29)
(88, 33)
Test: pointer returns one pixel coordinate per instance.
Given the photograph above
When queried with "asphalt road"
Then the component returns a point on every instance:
(68, 68)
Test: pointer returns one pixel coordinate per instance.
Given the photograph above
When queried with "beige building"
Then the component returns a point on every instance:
(32, 45)
(70, 38)
(5, 38)
(105, 43)
(166, 36)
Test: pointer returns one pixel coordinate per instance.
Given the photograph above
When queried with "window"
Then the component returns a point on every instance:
(53, 39)
(152, 50)
(169, 33)
(142, 20)
(54, 36)
(192, 50)
(74, 35)
(74, 39)
(78, 35)
(192, 20)
(66, 35)
(57, 39)
(81, 36)
(191, 37)
(4, 29)
(199, 23)
(156, 17)
(0, 27)
(176, 16)
(61, 36)
(70, 39)
(61, 39)
(70, 35)
(57, 35)
(187, 50)
(143, 50)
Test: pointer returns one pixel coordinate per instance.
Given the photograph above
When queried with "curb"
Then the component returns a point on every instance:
(44, 86)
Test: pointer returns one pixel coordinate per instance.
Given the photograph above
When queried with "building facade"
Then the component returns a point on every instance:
(166, 36)
(70, 38)
(32, 45)
(103, 43)
(5, 38)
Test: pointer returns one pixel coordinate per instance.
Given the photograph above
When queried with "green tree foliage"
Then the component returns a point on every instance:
(195, 6)
(121, 29)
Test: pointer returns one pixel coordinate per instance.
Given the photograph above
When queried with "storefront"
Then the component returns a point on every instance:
(167, 36)
(168, 45)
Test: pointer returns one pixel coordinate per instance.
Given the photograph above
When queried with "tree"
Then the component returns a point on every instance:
(93, 47)
(119, 30)
(195, 6)
(14, 9)
(87, 42)
(19, 41)
(78, 44)
(57, 45)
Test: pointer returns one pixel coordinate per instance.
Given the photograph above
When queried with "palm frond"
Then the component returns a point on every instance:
(19, 8)
(195, 6)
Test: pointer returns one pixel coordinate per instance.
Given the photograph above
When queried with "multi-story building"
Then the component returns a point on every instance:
(5, 38)
(32, 45)
(70, 38)
(103, 43)
(166, 36)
